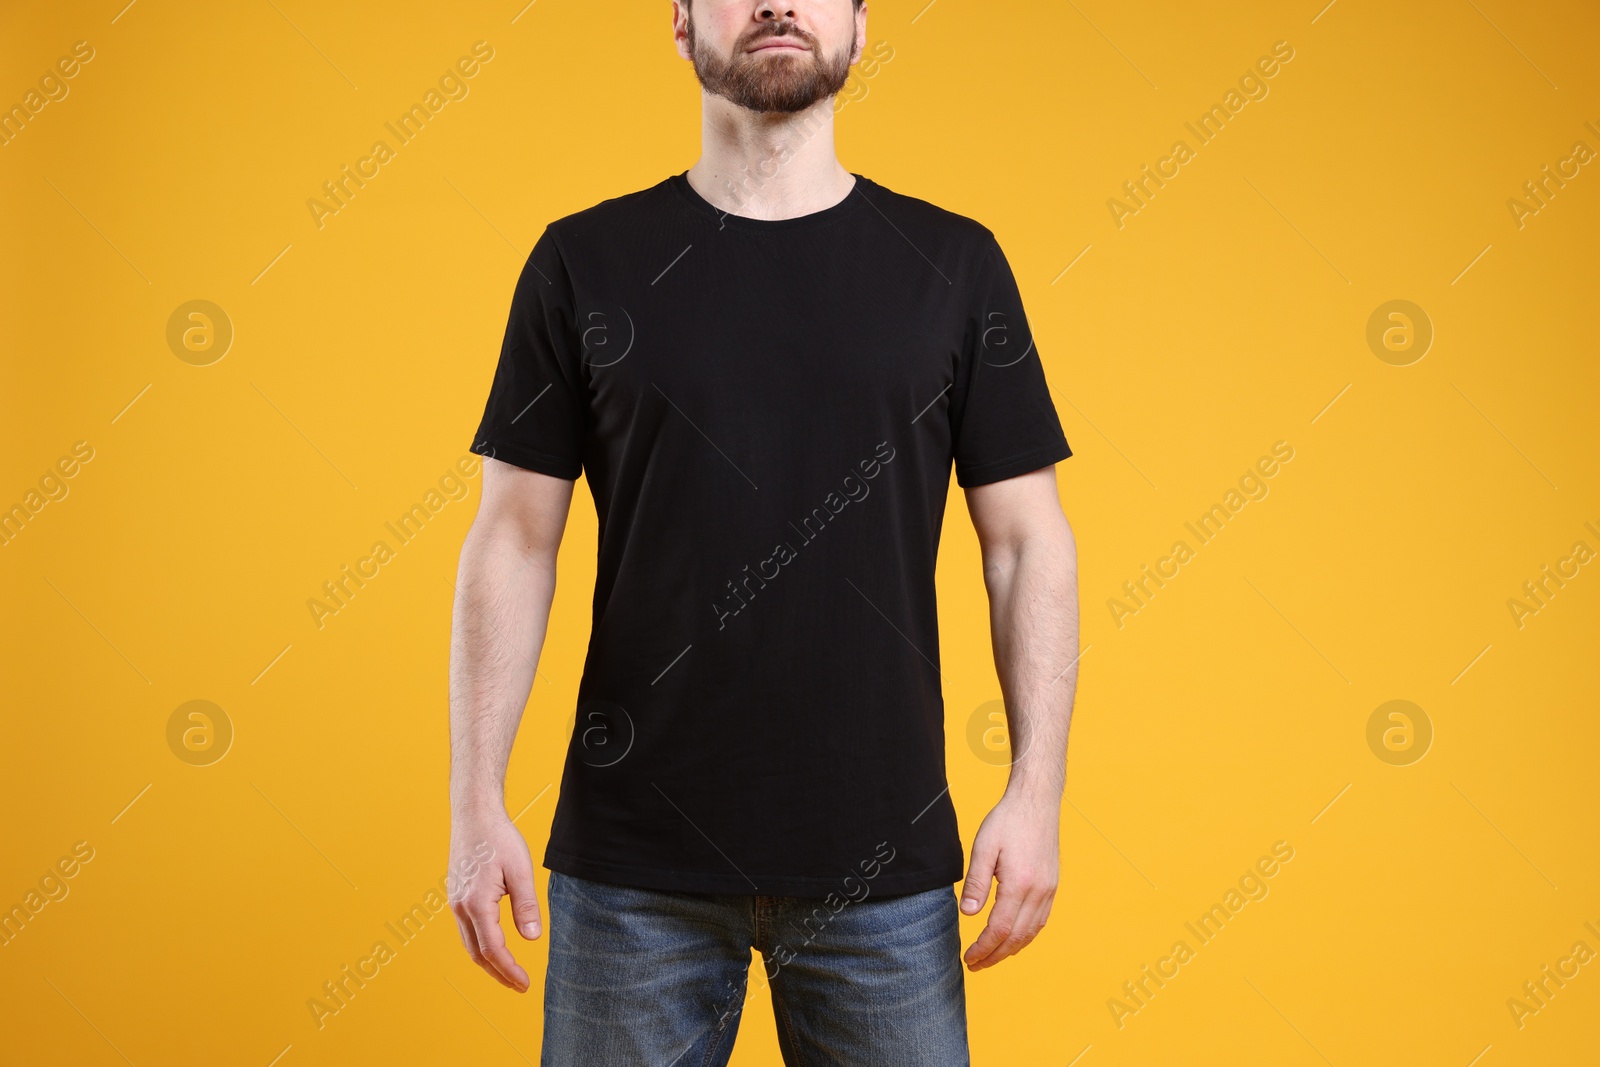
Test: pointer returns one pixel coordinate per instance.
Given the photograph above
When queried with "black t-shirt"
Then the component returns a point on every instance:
(767, 412)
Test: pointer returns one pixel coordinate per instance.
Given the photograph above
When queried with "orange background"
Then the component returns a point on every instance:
(1230, 312)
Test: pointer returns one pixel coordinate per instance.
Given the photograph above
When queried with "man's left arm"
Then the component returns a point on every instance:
(1030, 569)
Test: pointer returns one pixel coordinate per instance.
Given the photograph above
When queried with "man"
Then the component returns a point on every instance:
(765, 367)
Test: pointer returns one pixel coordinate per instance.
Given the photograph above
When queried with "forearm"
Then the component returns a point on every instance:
(502, 609)
(1033, 620)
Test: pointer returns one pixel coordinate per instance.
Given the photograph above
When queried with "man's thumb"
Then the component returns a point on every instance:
(524, 903)
(979, 876)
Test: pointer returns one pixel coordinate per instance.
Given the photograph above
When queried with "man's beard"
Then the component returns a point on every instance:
(758, 82)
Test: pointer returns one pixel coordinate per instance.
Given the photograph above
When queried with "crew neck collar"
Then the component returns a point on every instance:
(701, 205)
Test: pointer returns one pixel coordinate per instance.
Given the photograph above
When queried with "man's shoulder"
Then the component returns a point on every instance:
(906, 209)
(619, 210)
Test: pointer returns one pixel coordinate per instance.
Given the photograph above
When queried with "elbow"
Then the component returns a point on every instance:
(1046, 548)
(512, 542)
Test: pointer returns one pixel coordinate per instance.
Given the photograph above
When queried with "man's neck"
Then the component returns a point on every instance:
(768, 165)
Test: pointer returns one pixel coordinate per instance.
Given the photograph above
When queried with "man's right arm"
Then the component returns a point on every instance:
(504, 587)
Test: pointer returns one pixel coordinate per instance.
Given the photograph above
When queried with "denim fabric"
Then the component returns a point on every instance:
(650, 978)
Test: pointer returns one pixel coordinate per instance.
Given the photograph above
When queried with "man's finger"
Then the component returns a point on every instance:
(979, 876)
(466, 913)
(492, 943)
(1002, 921)
(470, 938)
(1023, 930)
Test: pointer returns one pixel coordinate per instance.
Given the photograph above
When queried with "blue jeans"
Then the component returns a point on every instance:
(647, 978)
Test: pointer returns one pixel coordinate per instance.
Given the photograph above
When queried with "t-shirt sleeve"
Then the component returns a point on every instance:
(1002, 420)
(537, 408)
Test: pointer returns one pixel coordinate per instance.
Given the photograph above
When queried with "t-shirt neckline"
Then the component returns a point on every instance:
(701, 205)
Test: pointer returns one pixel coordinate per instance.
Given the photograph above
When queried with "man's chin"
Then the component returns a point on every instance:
(775, 101)
(783, 107)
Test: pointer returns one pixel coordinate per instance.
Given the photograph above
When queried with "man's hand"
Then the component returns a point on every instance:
(488, 860)
(1018, 846)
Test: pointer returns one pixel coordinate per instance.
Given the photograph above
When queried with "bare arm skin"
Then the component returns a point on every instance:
(504, 587)
(1030, 568)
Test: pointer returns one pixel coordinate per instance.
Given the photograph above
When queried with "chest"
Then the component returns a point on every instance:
(774, 350)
